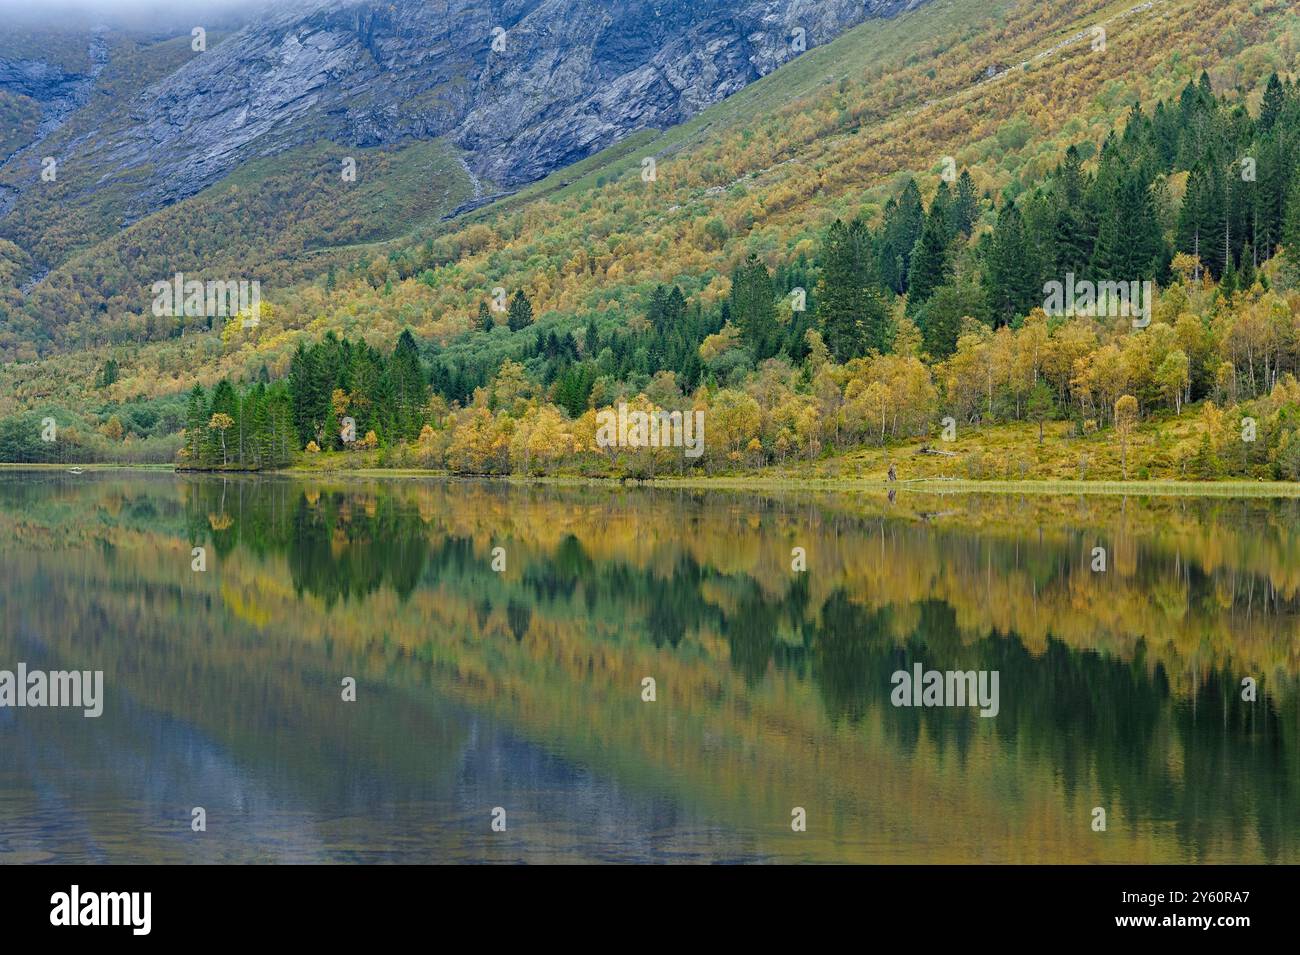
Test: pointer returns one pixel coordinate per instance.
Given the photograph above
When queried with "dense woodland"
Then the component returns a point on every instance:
(903, 322)
(871, 334)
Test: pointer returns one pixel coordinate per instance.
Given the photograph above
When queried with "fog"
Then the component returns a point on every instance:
(139, 14)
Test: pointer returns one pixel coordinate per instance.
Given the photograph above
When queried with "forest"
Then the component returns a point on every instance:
(876, 334)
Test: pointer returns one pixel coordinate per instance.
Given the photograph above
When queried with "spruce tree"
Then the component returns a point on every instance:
(902, 227)
(1193, 216)
(965, 208)
(1010, 277)
(753, 307)
(1271, 108)
(196, 422)
(520, 314)
(930, 265)
(849, 305)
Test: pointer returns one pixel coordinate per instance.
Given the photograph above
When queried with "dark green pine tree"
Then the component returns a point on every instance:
(573, 388)
(1228, 283)
(196, 428)
(483, 321)
(674, 309)
(1164, 136)
(1248, 273)
(1038, 212)
(310, 383)
(520, 314)
(1274, 173)
(941, 316)
(849, 306)
(283, 443)
(930, 265)
(1220, 218)
(1193, 234)
(1073, 239)
(1129, 239)
(1136, 128)
(257, 450)
(410, 387)
(903, 222)
(942, 208)
(1071, 183)
(1010, 274)
(753, 307)
(591, 340)
(966, 205)
(1073, 244)
(1205, 89)
(1271, 108)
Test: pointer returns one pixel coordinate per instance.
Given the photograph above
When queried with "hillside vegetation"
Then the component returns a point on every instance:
(912, 185)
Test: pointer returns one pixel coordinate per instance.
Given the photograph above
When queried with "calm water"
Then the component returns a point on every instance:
(522, 689)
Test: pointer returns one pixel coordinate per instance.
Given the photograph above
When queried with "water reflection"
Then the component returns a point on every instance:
(522, 688)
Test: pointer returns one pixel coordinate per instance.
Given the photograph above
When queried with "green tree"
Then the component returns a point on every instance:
(930, 266)
(753, 307)
(520, 314)
(1041, 405)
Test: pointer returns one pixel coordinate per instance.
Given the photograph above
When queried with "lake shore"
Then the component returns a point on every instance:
(760, 482)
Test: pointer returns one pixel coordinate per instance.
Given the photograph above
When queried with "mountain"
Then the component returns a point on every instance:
(511, 91)
(525, 88)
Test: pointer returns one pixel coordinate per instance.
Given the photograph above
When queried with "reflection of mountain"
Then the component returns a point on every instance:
(1119, 691)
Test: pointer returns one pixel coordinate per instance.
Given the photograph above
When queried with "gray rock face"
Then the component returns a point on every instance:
(59, 92)
(525, 86)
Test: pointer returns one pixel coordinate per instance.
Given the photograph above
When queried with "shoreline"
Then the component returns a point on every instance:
(1159, 488)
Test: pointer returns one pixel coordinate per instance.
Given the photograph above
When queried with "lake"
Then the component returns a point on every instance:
(408, 670)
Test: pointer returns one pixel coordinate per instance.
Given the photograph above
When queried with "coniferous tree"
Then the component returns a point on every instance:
(1193, 217)
(1271, 107)
(965, 207)
(849, 305)
(904, 220)
(410, 387)
(940, 318)
(1291, 224)
(1010, 275)
(196, 417)
(753, 307)
(520, 314)
(930, 266)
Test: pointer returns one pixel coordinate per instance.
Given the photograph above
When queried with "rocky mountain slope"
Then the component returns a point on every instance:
(525, 86)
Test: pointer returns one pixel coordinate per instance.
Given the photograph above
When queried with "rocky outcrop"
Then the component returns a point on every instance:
(525, 86)
(59, 91)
